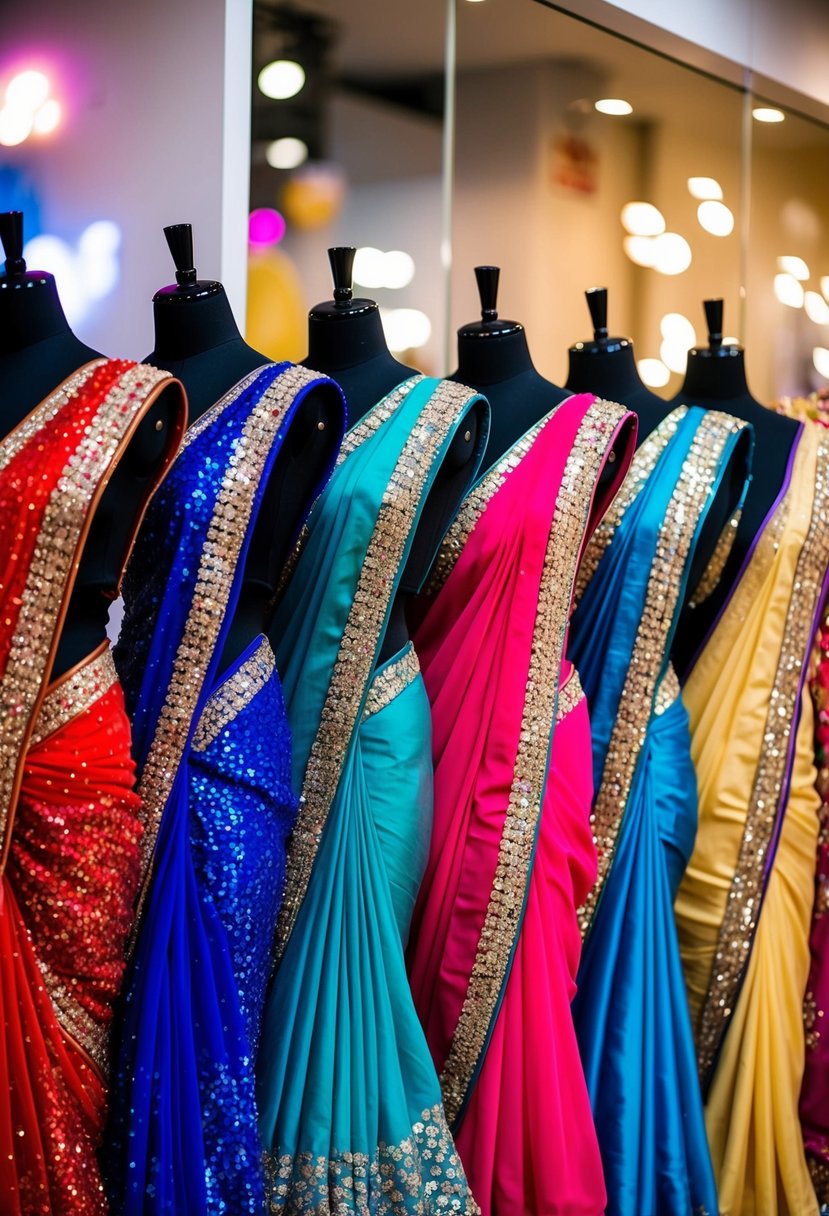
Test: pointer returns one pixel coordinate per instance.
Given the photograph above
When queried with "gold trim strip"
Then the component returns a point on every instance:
(668, 691)
(513, 870)
(645, 459)
(745, 895)
(391, 681)
(356, 657)
(422, 1173)
(51, 568)
(48, 409)
(712, 573)
(236, 692)
(692, 492)
(75, 1020)
(570, 695)
(217, 565)
(75, 695)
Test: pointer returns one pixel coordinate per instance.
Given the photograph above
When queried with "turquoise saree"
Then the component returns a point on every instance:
(350, 1106)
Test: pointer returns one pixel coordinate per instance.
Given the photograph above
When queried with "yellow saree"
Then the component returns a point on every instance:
(744, 907)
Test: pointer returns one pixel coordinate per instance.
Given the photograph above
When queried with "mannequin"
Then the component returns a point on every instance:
(606, 366)
(38, 351)
(196, 336)
(346, 342)
(494, 358)
(197, 339)
(716, 379)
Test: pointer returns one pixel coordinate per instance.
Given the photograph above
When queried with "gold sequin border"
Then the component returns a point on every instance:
(712, 573)
(356, 656)
(692, 492)
(236, 692)
(570, 695)
(513, 869)
(644, 461)
(217, 566)
(74, 695)
(422, 1173)
(745, 894)
(90, 1035)
(475, 504)
(50, 571)
(391, 681)
(48, 409)
(668, 691)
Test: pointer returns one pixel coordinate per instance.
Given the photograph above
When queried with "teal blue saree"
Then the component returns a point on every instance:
(350, 1106)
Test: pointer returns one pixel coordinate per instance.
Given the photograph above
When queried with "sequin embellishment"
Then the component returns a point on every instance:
(234, 694)
(637, 701)
(742, 908)
(391, 680)
(513, 869)
(356, 656)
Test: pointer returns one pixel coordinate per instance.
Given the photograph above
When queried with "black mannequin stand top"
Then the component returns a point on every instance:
(494, 357)
(346, 341)
(196, 336)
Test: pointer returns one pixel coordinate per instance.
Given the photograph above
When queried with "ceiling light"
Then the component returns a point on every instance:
(654, 373)
(641, 250)
(27, 91)
(715, 218)
(704, 187)
(788, 290)
(286, 153)
(767, 114)
(678, 329)
(281, 79)
(405, 328)
(613, 105)
(817, 309)
(673, 253)
(642, 219)
(47, 119)
(794, 266)
(15, 126)
(820, 358)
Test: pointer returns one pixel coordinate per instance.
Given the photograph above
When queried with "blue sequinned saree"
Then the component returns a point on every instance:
(214, 765)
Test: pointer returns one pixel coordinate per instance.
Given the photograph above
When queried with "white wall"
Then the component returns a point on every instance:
(156, 131)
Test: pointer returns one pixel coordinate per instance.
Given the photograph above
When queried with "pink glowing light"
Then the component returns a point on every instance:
(265, 227)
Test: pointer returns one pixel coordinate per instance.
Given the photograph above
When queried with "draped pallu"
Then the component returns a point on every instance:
(350, 1105)
(495, 941)
(745, 905)
(631, 1010)
(213, 754)
(68, 811)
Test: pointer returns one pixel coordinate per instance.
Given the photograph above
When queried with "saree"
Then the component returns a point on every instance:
(68, 811)
(814, 1093)
(213, 755)
(631, 1010)
(350, 1106)
(745, 905)
(495, 941)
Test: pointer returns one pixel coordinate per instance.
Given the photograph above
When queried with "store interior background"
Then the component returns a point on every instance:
(162, 121)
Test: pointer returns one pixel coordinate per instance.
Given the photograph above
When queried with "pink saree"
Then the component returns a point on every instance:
(495, 943)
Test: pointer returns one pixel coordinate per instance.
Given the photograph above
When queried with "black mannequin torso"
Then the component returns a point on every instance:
(197, 341)
(38, 352)
(350, 347)
(307, 451)
(606, 366)
(715, 379)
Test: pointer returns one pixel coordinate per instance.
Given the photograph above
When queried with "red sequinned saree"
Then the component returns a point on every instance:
(69, 821)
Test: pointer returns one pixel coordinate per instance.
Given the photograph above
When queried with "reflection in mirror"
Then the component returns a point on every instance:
(787, 314)
(346, 150)
(584, 160)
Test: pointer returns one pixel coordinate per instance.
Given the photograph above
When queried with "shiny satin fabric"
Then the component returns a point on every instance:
(495, 942)
(68, 808)
(631, 1010)
(213, 755)
(753, 747)
(350, 1105)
